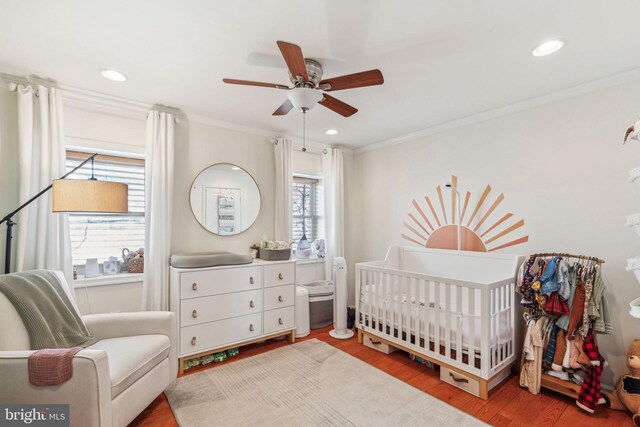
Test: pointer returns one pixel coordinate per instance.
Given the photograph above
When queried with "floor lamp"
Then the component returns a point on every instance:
(75, 195)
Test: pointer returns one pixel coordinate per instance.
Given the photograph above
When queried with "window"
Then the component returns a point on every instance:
(99, 235)
(306, 208)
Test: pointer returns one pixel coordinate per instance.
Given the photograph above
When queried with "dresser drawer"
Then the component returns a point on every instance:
(279, 274)
(213, 282)
(194, 339)
(279, 296)
(278, 320)
(194, 311)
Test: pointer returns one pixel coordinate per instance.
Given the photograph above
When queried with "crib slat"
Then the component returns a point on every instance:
(458, 323)
(492, 318)
(436, 326)
(370, 296)
(417, 307)
(367, 299)
(427, 313)
(402, 307)
(377, 286)
(397, 314)
(471, 310)
(447, 320)
(387, 304)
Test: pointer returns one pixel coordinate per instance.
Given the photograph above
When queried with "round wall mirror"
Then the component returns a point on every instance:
(225, 199)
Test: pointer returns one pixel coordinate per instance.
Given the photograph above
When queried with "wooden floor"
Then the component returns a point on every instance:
(508, 404)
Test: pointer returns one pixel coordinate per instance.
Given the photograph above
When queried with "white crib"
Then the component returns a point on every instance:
(455, 309)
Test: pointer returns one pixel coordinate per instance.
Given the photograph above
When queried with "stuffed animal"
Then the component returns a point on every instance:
(627, 393)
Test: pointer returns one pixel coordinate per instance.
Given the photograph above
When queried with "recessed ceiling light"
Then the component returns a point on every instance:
(235, 168)
(548, 47)
(114, 75)
(331, 132)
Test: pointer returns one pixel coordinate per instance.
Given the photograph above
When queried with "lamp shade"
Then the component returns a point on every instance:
(86, 195)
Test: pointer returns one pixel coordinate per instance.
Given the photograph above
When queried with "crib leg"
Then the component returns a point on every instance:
(484, 389)
(359, 336)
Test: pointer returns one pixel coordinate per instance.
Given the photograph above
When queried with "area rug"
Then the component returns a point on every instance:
(309, 383)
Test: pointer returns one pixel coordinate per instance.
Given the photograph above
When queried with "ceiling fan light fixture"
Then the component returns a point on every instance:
(304, 98)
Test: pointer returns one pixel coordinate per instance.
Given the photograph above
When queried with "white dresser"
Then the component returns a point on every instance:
(224, 307)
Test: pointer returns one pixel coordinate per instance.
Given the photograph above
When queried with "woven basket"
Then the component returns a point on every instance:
(133, 265)
(275, 254)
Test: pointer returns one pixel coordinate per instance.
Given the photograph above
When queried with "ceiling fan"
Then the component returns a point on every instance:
(308, 87)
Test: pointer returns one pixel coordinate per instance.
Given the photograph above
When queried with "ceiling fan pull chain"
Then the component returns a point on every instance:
(304, 130)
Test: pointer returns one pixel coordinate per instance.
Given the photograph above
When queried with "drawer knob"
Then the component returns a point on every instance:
(251, 327)
(279, 320)
(280, 276)
(251, 304)
(193, 341)
(280, 298)
(194, 314)
(251, 281)
(458, 379)
(194, 286)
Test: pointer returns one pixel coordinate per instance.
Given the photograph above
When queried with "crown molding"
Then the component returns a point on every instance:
(88, 100)
(581, 89)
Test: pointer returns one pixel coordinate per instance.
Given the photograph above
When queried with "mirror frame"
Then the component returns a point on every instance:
(250, 176)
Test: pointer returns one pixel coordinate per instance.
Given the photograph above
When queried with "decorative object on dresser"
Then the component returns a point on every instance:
(274, 250)
(225, 199)
(219, 308)
(455, 309)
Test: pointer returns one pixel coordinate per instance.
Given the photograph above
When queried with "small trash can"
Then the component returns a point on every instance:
(302, 312)
(320, 303)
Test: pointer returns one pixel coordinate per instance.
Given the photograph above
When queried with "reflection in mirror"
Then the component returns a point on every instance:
(225, 199)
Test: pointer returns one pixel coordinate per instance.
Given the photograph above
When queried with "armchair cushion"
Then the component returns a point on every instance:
(130, 358)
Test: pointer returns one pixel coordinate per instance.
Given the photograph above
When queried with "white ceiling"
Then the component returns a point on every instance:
(442, 60)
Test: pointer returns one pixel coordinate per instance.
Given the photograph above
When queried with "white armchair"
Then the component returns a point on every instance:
(113, 380)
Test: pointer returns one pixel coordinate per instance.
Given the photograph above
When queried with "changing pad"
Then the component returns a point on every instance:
(208, 259)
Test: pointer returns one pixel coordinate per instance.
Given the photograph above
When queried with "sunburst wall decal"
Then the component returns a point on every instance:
(431, 228)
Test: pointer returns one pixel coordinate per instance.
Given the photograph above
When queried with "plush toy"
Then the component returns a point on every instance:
(627, 393)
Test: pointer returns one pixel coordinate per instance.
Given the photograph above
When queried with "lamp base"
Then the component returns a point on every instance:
(341, 336)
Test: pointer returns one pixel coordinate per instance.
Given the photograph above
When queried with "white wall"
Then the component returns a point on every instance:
(561, 166)
(199, 146)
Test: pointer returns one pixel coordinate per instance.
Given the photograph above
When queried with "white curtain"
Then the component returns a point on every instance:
(332, 169)
(42, 237)
(284, 184)
(159, 168)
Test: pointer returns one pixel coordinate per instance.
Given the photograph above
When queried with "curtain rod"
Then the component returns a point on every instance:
(309, 150)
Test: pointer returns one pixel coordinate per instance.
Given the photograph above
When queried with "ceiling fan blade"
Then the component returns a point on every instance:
(250, 83)
(293, 57)
(338, 106)
(283, 109)
(351, 81)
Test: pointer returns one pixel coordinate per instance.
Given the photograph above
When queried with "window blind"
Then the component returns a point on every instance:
(100, 235)
(307, 206)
